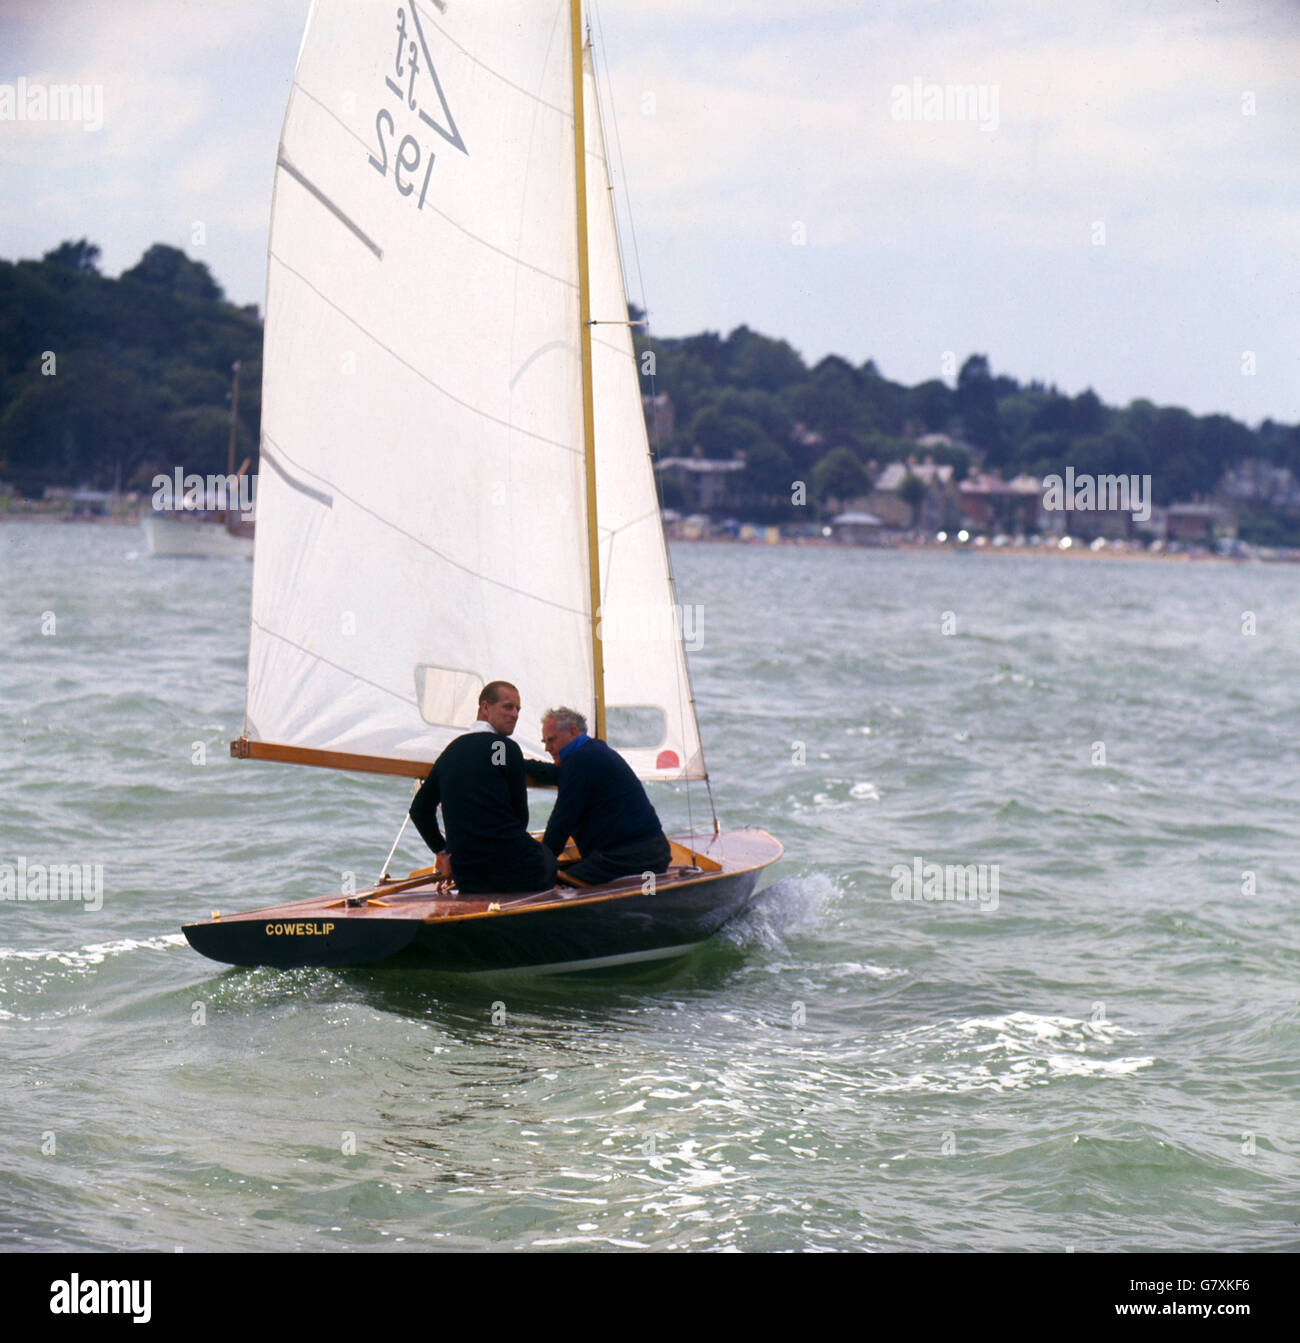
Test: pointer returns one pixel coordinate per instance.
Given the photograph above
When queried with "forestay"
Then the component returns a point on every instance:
(421, 505)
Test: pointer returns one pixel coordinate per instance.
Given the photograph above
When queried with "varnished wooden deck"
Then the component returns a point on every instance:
(424, 898)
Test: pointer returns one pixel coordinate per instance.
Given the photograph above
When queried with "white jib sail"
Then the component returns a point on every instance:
(650, 712)
(421, 511)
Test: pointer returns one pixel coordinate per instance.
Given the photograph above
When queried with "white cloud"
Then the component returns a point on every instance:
(1133, 118)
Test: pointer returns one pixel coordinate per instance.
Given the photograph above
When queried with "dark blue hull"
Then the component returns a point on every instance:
(417, 923)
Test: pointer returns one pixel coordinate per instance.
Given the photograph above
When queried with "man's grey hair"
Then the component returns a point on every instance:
(567, 720)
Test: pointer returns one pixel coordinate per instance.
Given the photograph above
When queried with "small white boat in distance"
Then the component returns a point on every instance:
(215, 521)
(199, 533)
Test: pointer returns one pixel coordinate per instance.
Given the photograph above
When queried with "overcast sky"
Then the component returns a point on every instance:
(1123, 214)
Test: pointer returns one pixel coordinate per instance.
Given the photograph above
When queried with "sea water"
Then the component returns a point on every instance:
(1102, 1054)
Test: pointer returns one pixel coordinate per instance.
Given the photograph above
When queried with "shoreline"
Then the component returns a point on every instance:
(1031, 552)
(72, 517)
(824, 543)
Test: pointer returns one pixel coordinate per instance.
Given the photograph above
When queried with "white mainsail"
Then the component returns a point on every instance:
(422, 504)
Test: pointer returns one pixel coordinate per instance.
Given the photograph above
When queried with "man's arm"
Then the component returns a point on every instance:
(424, 812)
(568, 807)
(516, 782)
(541, 773)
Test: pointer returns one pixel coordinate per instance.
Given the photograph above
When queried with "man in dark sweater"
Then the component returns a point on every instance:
(600, 803)
(479, 780)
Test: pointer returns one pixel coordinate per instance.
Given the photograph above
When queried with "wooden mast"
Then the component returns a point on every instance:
(588, 399)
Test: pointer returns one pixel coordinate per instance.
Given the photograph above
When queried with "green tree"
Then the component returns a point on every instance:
(170, 269)
(688, 379)
(932, 405)
(763, 408)
(1043, 454)
(885, 403)
(1222, 443)
(1087, 414)
(82, 257)
(1177, 467)
(839, 476)
(1052, 416)
(758, 361)
(1016, 414)
(725, 436)
(978, 407)
(672, 494)
(882, 448)
(767, 479)
(821, 407)
(912, 493)
(957, 457)
(86, 426)
(203, 444)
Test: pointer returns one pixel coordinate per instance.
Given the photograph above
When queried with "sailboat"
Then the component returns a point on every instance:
(455, 483)
(203, 526)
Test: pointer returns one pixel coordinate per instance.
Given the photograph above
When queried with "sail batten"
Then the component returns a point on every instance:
(312, 189)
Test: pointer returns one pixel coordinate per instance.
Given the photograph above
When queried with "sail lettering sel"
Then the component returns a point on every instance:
(410, 62)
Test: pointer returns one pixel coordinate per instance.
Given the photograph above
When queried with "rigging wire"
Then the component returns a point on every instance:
(383, 874)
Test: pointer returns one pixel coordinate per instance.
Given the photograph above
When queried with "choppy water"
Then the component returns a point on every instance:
(1107, 1060)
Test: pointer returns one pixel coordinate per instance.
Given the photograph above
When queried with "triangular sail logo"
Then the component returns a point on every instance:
(413, 61)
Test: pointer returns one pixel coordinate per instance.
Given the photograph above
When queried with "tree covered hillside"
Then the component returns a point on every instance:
(107, 382)
(829, 424)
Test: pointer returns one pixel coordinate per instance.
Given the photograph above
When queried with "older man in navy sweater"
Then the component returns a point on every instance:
(600, 803)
